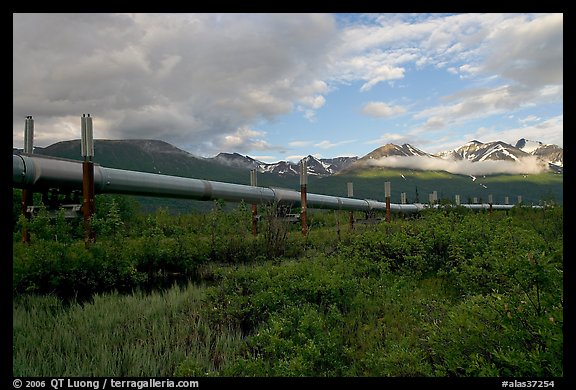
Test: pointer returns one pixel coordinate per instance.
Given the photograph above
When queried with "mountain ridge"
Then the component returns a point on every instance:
(473, 151)
(162, 158)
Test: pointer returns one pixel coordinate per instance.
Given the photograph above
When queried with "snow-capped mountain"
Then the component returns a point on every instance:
(389, 150)
(473, 151)
(280, 168)
(552, 154)
(237, 160)
(527, 145)
(376, 157)
(316, 167)
(477, 151)
(325, 167)
(391, 155)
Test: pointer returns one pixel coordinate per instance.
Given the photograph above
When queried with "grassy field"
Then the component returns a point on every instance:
(451, 293)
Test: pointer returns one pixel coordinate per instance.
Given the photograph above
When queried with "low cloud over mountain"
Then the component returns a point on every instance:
(472, 158)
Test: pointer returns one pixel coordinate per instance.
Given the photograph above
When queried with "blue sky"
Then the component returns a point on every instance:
(283, 86)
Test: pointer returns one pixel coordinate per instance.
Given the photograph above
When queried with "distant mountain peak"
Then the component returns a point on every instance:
(164, 157)
(527, 145)
(315, 166)
(390, 149)
(473, 151)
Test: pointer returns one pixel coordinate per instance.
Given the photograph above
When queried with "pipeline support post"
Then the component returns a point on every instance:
(351, 213)
(387, 194)
(303, 189)
(88, 207)
(27, 195)
(254, 183)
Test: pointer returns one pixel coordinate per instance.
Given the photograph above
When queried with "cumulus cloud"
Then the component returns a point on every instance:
(382, 110)
(325, 144)
(519, 57)
(528, 51)
(189, 79)
(529, 118)
(385, 46)
(242, 140)
(526, 165)
(200, 81)
(298, 144)
(483, 102)
(550, 129)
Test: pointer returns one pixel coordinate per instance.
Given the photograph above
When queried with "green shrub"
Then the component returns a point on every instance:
(486, 336)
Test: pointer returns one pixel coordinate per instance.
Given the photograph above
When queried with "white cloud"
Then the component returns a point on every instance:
(325, 144)
(200, 80)
(479, 103)
(314, 102)
(528, 50)
(527, 165)
(520, 55)
(298, 144)
(550, 131)
(529, 118)
(192, 79)
(382, 110)
(242, 140)
(382, 51)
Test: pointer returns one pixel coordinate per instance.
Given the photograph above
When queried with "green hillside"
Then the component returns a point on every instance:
(370, 184)
(163, 158)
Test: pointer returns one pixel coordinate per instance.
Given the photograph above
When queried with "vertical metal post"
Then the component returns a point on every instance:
(490, 203)
(351, 213)
(457, 199)
(387, 194)
(27, 195)
(29, 135)
(519, 199)
(303, 189)
(254, 183)
(87, 146)
(506, 200)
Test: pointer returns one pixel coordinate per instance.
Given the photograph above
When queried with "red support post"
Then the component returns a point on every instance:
(88, 207)
(303, 212)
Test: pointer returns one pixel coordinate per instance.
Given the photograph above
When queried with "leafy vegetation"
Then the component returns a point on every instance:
(449, 293)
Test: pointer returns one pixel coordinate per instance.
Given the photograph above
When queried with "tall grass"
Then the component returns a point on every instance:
(451, 293)
(116, 335)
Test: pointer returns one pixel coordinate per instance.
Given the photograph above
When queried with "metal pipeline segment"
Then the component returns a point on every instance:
(486, 206)
(43, 173)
